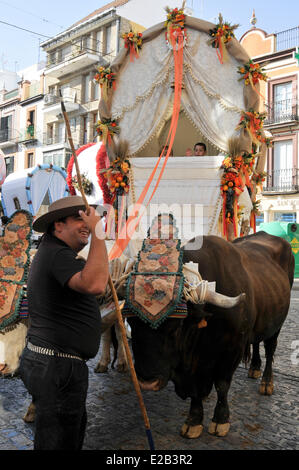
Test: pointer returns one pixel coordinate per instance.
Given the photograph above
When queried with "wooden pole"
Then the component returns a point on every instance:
(113, 291)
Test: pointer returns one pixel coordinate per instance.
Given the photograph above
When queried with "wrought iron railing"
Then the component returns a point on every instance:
(281, 181)
(287, 39)
(282, 111)
(8, 135)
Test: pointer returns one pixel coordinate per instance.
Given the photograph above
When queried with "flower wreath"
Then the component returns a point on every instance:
(106, 129)
(253, 122)
(133, 42)
(220, 36)
(86, 184)
(175, 25)
(106, 80)
(70, 165)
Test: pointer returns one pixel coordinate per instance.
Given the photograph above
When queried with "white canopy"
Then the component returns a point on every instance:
(212, 98)
(26, 189)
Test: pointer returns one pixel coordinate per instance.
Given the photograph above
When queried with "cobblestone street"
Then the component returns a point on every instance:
(115, 421)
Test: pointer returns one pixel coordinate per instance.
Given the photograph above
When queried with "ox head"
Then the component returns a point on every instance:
(170, 351)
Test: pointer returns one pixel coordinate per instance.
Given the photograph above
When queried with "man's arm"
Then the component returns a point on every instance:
(94, 276)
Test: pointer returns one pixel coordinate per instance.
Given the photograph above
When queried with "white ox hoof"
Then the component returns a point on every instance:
(191, 432)
(219, 430)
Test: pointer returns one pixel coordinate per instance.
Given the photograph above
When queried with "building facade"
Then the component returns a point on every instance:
(278, 54)
(72, 60)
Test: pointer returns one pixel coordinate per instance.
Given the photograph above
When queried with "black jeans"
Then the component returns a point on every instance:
(58, 387)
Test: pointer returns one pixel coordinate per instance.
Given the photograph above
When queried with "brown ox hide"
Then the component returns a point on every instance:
(112, 337)
(196, 358)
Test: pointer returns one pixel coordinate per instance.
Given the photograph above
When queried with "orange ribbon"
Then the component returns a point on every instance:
(133, 221)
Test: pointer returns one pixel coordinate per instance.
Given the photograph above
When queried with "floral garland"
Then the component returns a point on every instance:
(235, 171)
(133, 42)
(86, 184)
(252, 73)
(70, 165)
(175, 24)
(259, 178)
(106, 80)
(106, 129)
(221, 35)
(117, 176)
(101, 164)
(253, 122)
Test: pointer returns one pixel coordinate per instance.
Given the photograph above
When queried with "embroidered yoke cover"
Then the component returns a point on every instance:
(155, 287)
(14, 262)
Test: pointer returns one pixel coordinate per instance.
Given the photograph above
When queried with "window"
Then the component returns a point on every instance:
(96, 93)
(282, 94)
(85, 130)
(57, 158)
(30, 159)
(5, 128)
(108, 39)
(259, 219)
(85, 88)
(10, 165)
(283, 165)
(61, 133)
(283, 101)
(30, 124)
(65, 53)
(285, 217)
(99, 39)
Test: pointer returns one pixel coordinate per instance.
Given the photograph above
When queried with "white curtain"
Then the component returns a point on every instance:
(212, 98)
(57, 186)
(40, 182)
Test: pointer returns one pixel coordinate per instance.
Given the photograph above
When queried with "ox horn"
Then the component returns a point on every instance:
(223, 301)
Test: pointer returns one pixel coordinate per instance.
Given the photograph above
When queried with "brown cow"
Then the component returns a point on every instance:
(195, 359)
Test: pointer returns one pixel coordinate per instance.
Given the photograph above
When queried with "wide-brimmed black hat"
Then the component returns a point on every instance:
(64, 207)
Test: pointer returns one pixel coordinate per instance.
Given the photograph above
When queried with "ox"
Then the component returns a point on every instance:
(196, 358)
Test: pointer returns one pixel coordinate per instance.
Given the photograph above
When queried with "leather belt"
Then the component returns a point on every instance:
(51, 352)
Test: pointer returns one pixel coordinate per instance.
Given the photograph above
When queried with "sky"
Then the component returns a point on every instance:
(20, 49)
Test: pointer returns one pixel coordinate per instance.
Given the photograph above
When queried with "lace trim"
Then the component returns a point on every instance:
(216, 96)
(148, 94)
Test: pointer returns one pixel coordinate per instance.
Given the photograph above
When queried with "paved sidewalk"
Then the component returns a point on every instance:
(115, 421)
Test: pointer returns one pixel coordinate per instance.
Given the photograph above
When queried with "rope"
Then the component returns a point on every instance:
(119, 272)
(191, 291)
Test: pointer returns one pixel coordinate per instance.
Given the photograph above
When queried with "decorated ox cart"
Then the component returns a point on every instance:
(182, 81)
(175, 84)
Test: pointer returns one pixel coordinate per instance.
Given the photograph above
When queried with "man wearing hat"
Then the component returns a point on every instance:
(64, 321)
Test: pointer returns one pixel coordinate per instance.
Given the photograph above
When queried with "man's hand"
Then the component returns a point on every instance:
(93, 222)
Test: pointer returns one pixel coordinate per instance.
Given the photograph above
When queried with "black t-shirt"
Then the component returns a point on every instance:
(60, 317)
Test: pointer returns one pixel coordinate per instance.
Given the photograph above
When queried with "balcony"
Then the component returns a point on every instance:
(281, 181)
(287, 39)
(8, 137)
(52, 105)
(27, 136)
(79, 58)
(282, 112)
(55, 142)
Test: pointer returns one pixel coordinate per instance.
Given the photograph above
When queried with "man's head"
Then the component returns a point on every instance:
(166, 150)
(72, 230)
(64, 221)
(200, 149)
